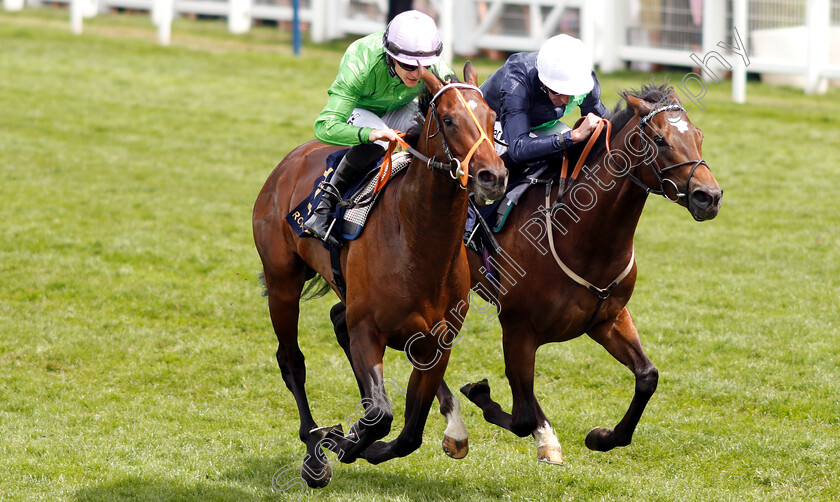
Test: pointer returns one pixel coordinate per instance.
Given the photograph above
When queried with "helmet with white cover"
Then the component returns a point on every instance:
(411, 37)
(565, 66)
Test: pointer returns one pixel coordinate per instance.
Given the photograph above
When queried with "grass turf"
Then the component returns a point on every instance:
(136, 353)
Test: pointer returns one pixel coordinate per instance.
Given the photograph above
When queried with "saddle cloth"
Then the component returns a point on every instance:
(496, 214)
(352, 212)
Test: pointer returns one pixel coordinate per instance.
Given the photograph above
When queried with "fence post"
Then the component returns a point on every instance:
(239, 16)
(162, 12)
(714, 31)
(13, 5)
(818, 16)
(447, 29)
(463, 40)
(76, 16)
(740, 19)
(612, 35)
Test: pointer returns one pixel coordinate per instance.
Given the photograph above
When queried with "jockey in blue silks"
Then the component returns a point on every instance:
(533, 91)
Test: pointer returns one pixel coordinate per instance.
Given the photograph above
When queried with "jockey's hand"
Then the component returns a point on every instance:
(382, 134)
(585, 129)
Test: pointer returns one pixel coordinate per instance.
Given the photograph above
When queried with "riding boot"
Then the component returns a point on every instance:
(352, 166)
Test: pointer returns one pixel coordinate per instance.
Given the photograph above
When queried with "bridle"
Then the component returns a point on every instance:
(603, 293)
(464, 172)
(646, 121)
(453, 166)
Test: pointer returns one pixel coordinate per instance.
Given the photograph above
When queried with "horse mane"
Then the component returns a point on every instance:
(412, 136)
(659, 93)
(651, 92)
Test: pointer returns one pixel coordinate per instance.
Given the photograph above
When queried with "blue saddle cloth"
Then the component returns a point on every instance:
(348, 230)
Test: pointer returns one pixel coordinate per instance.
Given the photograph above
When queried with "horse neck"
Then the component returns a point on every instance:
(432, 213)
(608, 226)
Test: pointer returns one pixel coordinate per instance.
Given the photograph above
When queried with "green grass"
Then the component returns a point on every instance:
(136, 353)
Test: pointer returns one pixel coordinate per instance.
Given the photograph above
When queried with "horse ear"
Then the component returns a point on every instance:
(641, 106)
(470, 75)
(674, 96)
(432, 82)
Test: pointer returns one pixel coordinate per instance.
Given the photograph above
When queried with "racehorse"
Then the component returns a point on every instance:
(581, 279)
(406, 270)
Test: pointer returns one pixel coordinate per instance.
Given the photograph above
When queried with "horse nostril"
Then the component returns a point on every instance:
(702, 199)
(486, 178)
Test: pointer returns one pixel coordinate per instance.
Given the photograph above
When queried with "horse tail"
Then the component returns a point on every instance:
(316, 286)
(262, 281)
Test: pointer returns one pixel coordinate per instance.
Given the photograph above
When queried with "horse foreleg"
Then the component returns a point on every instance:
(366, 352)
(455, 443)
(622, 341)
(526, 417)
(422, 386)
(283, 308)
(479, 394)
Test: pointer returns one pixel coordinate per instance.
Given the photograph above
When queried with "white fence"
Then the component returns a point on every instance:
(796, 42)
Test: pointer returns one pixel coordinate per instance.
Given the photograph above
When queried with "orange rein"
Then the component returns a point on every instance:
(385, 168)
(588, 148)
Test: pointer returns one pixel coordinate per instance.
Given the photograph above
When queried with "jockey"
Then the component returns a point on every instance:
(373, 94)
(532, 91)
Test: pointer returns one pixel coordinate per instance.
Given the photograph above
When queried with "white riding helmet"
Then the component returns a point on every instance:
(411, 37)
(565, 66)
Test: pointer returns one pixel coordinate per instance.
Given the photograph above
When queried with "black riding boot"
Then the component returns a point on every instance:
(347, 173)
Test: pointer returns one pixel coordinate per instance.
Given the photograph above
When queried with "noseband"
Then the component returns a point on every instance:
(645, 121)
(454, 165)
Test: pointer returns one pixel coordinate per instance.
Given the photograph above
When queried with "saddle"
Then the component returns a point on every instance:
(352, 211)
(484, 221)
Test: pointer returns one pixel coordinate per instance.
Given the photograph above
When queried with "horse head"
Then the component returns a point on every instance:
(670, 148)
(459, 129)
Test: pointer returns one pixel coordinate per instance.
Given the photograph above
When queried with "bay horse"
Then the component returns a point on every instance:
(542, 290)
(406, 270)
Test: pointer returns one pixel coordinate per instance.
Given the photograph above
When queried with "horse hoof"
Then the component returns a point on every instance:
(550, 454)
(455, 448)
(482, 386)
(316, 479)
(598, 439)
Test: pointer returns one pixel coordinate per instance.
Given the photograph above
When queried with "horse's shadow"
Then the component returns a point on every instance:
(137, 488)
(260, 478)
(349, 482)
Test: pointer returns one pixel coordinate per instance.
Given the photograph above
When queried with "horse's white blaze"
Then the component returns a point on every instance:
(472, 104)
(681, 125)
(544, 435)
(455, 427)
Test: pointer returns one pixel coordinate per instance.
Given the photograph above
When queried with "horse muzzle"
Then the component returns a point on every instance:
(704, 203)
(489, 184)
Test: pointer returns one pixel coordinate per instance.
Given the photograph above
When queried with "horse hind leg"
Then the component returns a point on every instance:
(622, 341)
(455, 441)
(283, 304)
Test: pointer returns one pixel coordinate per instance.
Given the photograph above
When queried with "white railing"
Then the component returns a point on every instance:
(779, 38)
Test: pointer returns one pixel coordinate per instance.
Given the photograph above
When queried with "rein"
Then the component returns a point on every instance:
(604, 293)
(454, 166)
(601, 293)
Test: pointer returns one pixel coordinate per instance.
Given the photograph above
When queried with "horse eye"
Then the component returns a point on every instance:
(447, 121)
(660, 140)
